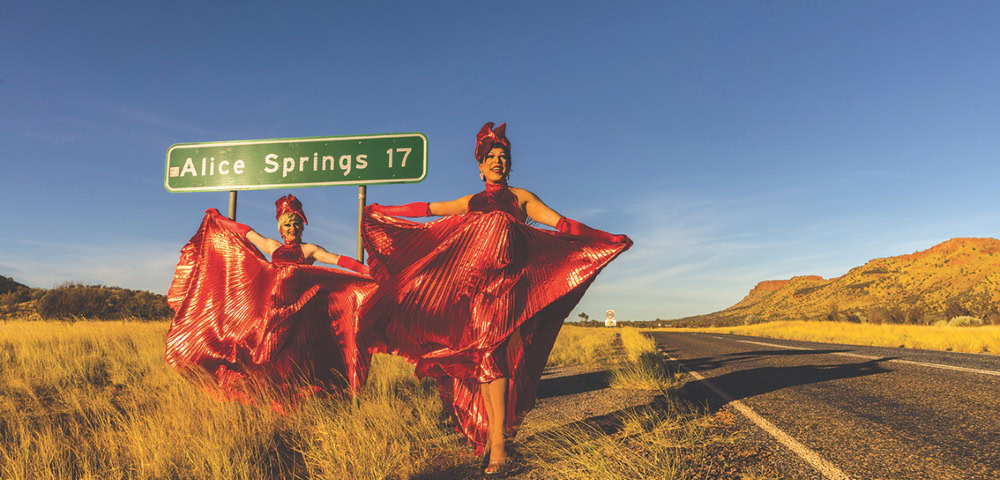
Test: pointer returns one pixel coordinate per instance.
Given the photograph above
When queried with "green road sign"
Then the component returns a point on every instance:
(296, 162)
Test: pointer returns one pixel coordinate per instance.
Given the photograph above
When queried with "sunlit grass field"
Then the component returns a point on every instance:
(96, 400)
(973, 339)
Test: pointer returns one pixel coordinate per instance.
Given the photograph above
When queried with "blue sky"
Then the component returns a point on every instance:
(733, 141)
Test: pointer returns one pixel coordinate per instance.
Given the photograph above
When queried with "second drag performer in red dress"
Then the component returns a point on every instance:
(476, 299)
(255, 328)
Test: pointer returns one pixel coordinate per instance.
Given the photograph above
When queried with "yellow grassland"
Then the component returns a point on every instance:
(95, 400)
(982, 339)
(583, 346)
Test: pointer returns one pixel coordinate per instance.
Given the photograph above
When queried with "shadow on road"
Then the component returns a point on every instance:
(711, 363)
(756, 381)
(572, 384)
(609, 423)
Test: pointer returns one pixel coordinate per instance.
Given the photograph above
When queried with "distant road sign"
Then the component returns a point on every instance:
(296, 162)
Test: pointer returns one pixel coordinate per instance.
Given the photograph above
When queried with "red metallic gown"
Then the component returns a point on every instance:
(253, 326)
(453, 292)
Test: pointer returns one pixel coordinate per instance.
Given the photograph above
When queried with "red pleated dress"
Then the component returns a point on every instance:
(453, 292)
(251, 326)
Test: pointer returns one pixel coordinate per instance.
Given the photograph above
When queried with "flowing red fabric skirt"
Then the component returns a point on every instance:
(250, 324)
(472, 298)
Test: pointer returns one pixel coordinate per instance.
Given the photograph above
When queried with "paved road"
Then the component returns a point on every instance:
(854, 412)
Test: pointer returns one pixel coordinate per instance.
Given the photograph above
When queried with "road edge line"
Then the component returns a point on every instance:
(824, 467)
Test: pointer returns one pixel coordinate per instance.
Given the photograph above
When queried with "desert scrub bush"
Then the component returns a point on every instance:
(20, 295)
(649, 372)
(965, 321)
(98, 302)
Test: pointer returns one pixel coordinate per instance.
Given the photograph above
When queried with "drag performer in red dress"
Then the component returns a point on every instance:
(477, 298)
(281, 328)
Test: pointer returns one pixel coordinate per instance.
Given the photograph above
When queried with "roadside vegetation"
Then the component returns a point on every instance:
(960, 334)
(645, 368)
(74, 301)
(93, 400)
(668, 438)
(96, 400)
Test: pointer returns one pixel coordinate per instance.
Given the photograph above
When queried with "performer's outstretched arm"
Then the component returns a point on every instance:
(541, 213)
(415, 209)
(265, 244)
(573, 227)
(425, 209)
(320, 254)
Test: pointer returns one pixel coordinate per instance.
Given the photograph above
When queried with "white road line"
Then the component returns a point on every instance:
(869, 357)
(825, 468)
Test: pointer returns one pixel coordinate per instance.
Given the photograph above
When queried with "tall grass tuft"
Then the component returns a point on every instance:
(646, 368)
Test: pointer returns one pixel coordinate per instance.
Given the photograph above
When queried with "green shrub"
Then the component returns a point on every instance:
(965, 321)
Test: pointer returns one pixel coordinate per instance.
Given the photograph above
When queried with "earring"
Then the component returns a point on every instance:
(482, 177)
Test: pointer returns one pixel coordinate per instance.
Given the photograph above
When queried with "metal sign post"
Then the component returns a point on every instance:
(232, 204)
(362, 190)
(297, 162)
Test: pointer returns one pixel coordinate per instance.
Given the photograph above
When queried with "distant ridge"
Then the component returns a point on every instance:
(960, 276)
(7, 284)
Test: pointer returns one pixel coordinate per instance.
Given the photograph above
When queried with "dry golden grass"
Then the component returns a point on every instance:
(657, 441)
(583, 346)
(982, 339)
(645, 368)
(95, 400)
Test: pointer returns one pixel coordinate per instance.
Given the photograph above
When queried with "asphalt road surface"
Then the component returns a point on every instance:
(841, 411)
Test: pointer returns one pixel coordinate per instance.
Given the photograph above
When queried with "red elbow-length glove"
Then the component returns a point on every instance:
(238, 228)
(573, 227)
(352, 264)
(415, 209)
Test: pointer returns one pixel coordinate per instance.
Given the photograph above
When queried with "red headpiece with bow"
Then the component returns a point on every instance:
(289, 204)
(489, 137)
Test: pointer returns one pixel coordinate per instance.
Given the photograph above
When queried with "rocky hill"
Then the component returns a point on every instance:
(958, 277)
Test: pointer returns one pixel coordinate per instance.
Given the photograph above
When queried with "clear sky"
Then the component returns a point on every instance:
(733, 141)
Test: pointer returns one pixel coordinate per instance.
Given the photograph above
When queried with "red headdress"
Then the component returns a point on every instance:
(289, 204)
(489, 137)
